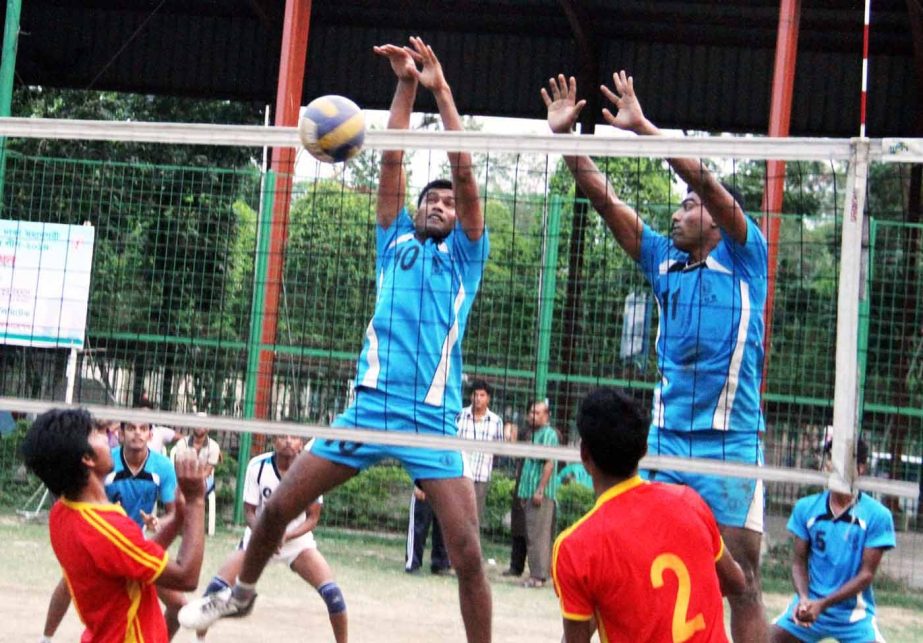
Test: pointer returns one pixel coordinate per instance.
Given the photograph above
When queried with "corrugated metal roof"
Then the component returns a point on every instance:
(703, 64)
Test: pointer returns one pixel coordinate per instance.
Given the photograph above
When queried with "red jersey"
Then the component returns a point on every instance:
(642, 561)
(110, 569)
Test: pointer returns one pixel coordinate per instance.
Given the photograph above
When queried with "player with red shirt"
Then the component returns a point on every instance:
(647, 563)
(110, 569)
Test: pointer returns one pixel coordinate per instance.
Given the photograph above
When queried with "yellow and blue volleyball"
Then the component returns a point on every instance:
(332, 128)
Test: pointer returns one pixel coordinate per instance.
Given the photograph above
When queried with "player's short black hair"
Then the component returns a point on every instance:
(734, 192)
(862, 450)
(54, 447)
(479, 385)
(613, 428)
(437, 184)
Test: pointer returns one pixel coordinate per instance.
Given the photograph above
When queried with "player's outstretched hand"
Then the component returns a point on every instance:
(629, 115)
(431, 75)
(562, 104)
(402, 62)
(190, 476)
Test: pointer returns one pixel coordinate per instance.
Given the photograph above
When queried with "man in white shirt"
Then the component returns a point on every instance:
(478, 422)
(207, 450)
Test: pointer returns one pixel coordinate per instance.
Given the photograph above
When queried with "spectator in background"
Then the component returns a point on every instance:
(839, 540)
(537, 493)
(478, 422)
(517, 516)
(422, 517)
(207, 450)
(161, 436)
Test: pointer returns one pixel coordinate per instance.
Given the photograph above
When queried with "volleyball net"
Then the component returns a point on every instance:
(245, 293)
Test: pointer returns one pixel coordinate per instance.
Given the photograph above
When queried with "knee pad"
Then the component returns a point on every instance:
(333, 597)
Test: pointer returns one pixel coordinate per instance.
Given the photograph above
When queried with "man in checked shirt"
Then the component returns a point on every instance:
(478, 422)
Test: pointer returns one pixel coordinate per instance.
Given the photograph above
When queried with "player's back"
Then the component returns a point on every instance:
(643, 560)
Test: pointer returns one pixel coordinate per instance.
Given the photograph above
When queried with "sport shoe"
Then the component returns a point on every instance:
(201, 613)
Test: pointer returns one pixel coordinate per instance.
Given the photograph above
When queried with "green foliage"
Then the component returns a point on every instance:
(376, 499)
(16, 483)
(574, 500)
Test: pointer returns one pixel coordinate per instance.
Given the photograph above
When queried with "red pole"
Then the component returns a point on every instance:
(780, 112)
(288, 103)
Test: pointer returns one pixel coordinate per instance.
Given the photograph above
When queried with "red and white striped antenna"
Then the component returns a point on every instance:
(865, 67)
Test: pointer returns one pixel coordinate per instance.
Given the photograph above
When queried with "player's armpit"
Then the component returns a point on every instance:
(578, 631)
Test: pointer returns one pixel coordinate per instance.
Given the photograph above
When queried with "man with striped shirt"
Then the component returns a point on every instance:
(478, 422)
(537, 494)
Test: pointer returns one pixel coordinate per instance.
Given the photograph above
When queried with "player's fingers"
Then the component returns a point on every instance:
(610, 95)
(545, 97)
(607, 115)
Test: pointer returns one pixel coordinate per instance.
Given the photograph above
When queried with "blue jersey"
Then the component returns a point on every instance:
(710, 333)
(837, 545)
(156, 480)
(412, 348)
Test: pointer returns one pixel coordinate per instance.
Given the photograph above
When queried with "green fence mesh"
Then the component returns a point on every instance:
(177, 270)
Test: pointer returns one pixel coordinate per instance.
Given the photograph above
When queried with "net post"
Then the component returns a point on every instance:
(548, 281)
(846, 386)
(7, 77)
(254, 342)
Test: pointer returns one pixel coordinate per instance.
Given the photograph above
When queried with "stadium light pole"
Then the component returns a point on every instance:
(7, 76)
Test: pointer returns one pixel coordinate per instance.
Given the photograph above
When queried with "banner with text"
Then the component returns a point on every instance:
(44, 283)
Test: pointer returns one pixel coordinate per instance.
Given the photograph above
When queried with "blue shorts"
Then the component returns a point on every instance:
(736, 502)
(831, 623)
(375, 410)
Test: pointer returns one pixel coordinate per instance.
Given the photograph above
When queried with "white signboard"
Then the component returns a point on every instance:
(44, 283)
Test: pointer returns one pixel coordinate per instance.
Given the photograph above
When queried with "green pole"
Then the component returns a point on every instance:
(865, 316)
(7, 75)
(546, 297)
(258, 304)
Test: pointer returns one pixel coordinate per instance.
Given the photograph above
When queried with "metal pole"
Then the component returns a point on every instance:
(846, 387)
(546, 296)
(7, 76)
(257, 308)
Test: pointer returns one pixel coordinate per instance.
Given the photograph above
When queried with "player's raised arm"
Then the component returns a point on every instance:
(563, 109)
(183, 572)
(464, 182)
(629, 116)
(391, 180)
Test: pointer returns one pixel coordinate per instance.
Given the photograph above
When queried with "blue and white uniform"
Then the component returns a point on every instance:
(409, 371)
(710, 358)
(835, 557)
(261, 481)
(156, 480)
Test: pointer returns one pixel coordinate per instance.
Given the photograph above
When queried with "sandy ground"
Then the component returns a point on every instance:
(385, 605)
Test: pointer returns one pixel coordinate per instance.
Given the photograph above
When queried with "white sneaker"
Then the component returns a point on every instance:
(201, 613)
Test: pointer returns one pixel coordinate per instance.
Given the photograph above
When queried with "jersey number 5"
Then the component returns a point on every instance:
(682, 629)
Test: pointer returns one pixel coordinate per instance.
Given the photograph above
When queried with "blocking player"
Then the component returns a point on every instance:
(709, 278)
(664, 586)
(298, 549)
(429, 265)
(110, 568)
(839, 540)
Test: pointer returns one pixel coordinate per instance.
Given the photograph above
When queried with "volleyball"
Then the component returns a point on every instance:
(332, 128)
